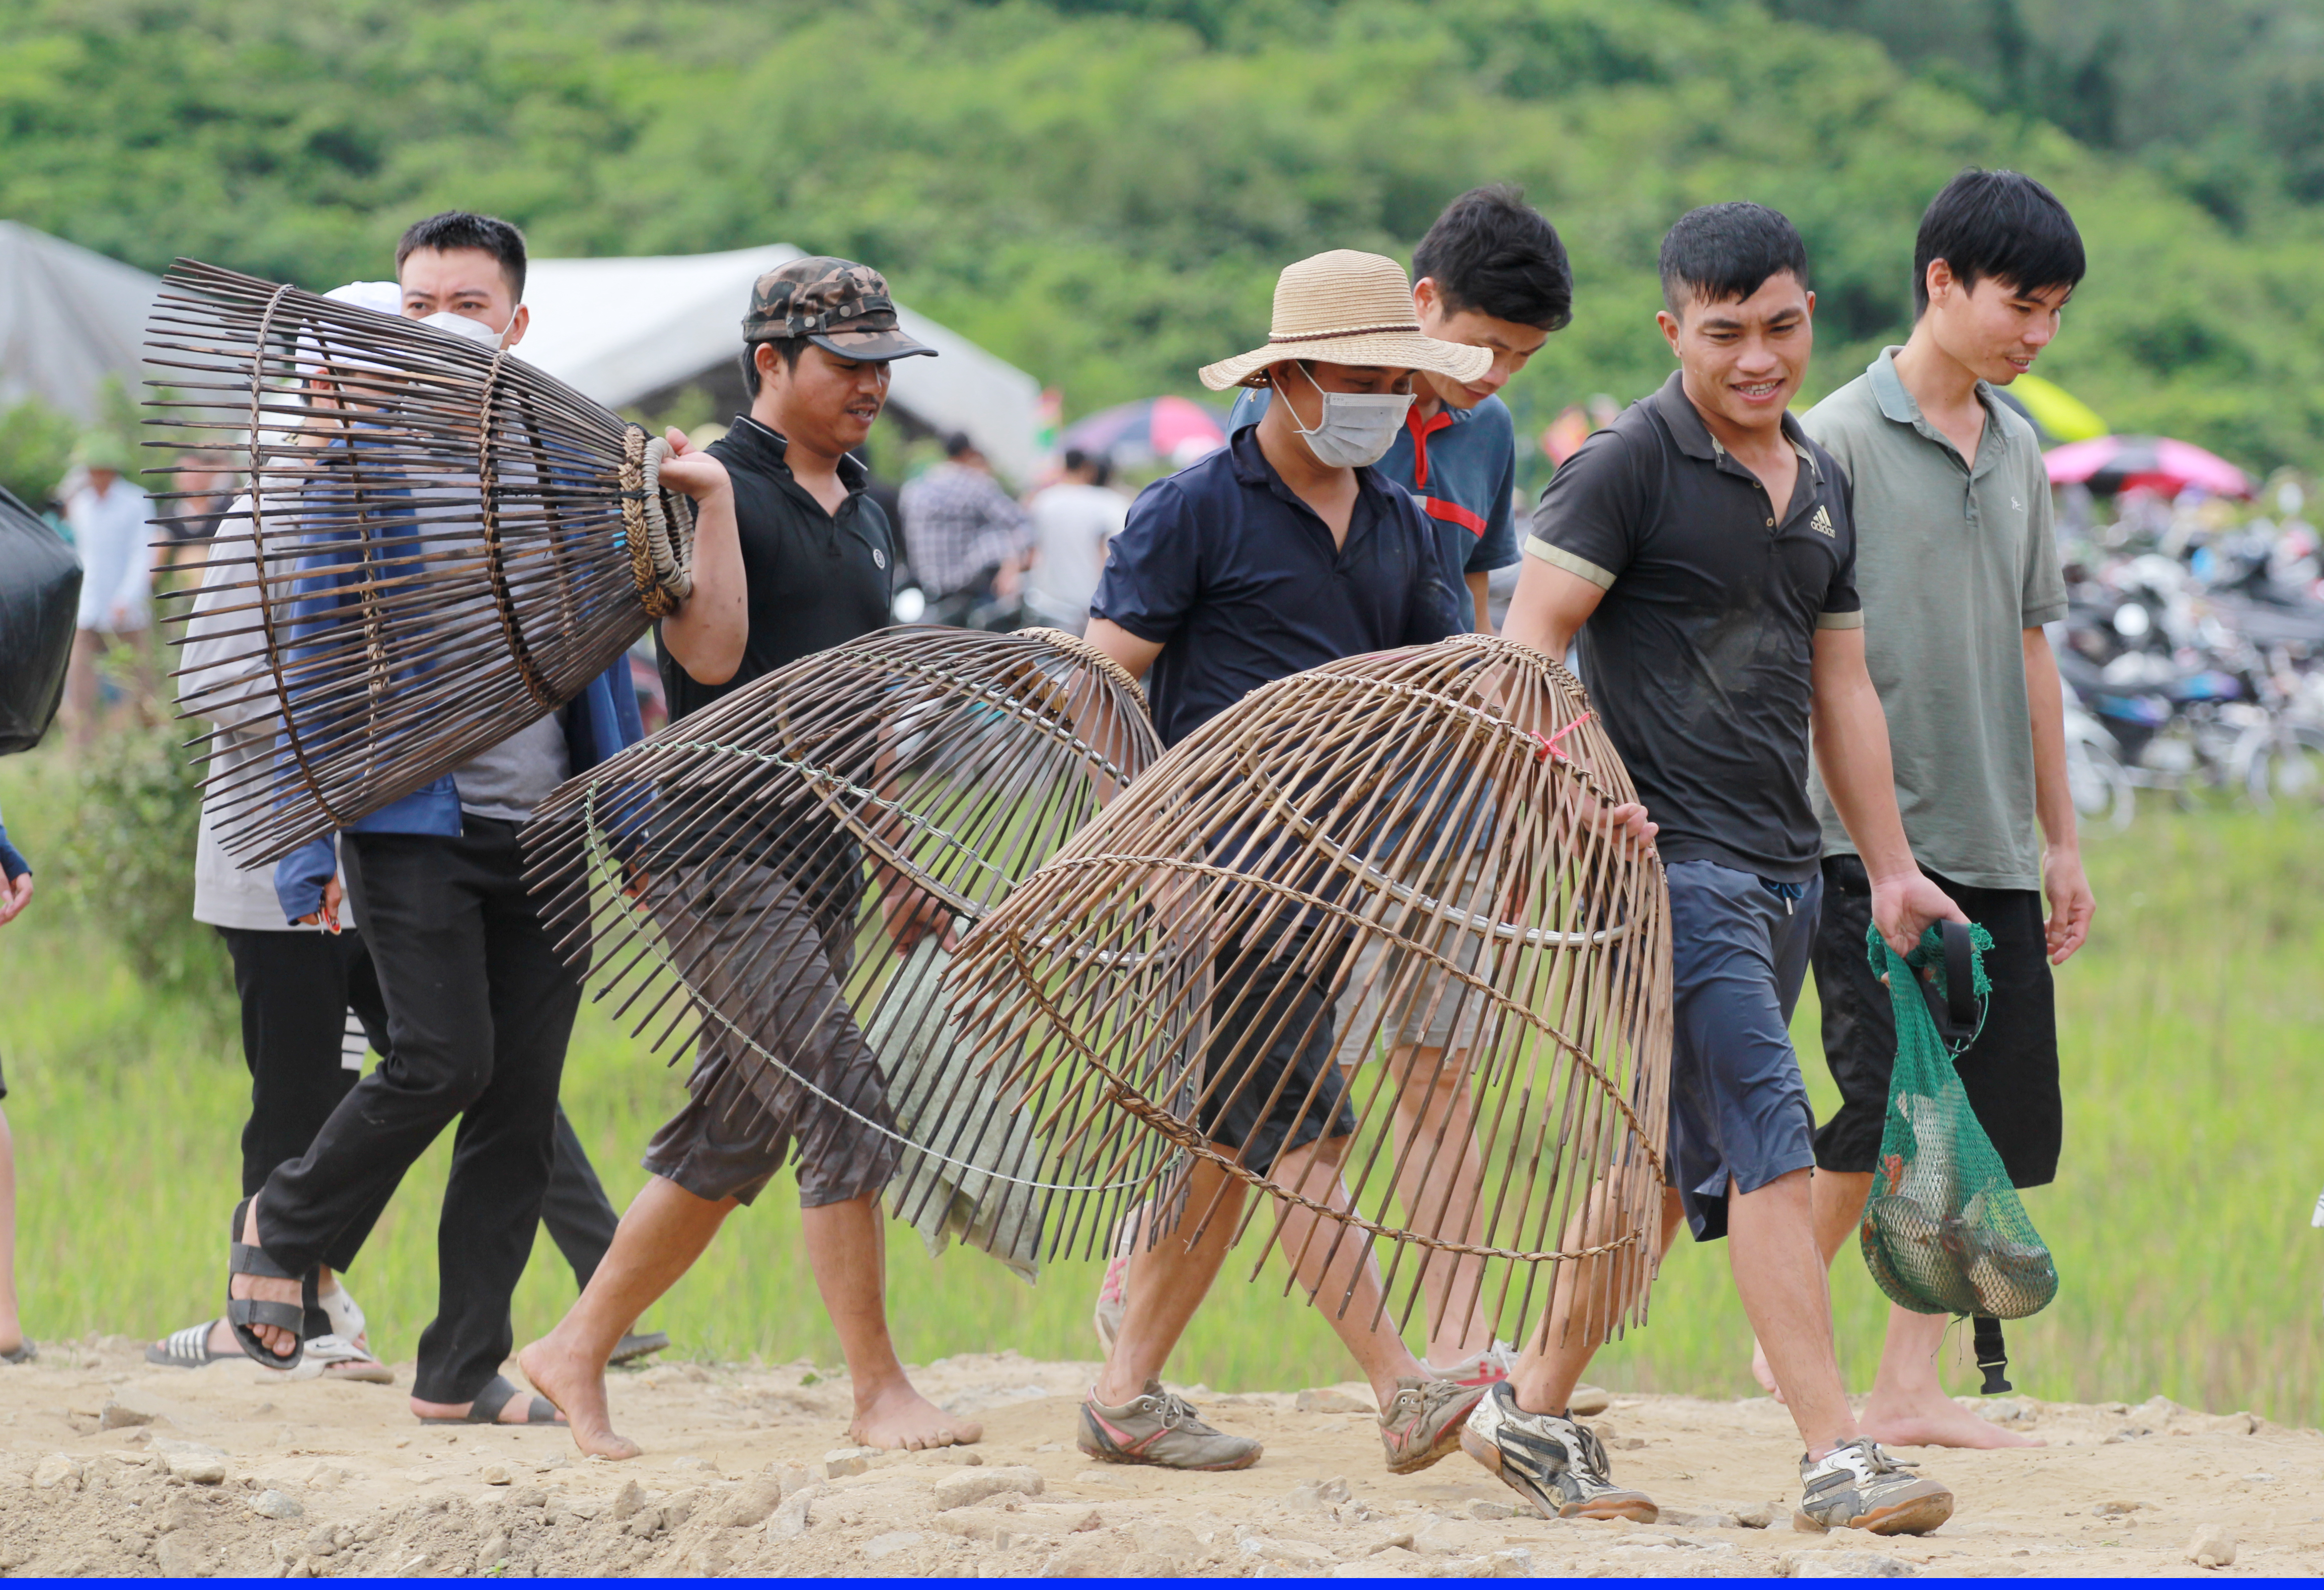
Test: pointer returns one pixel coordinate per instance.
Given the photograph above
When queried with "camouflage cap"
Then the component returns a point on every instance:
(836, 304)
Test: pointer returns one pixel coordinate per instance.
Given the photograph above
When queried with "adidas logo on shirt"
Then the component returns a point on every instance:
(1821, 522)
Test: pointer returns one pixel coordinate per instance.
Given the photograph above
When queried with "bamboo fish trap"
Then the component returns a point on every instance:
(1376, 905)
(773, 878)
(440, 545)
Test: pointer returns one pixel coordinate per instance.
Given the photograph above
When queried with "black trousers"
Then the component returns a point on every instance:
(295, 990)
(479, 1008)
(2010, 1074)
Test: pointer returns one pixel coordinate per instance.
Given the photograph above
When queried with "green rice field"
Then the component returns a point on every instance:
(2193, 1032)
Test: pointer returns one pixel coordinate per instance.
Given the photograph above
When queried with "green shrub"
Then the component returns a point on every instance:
(125, 862)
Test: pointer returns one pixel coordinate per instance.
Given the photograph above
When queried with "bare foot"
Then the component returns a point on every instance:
(577, 1386)
(901, 1417)
(273, 1338)
(1762, 1374)
(1938, 1421)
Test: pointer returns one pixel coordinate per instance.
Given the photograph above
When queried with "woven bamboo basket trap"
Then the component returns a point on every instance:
(1378, 907)
(773, 882)
(440, 544)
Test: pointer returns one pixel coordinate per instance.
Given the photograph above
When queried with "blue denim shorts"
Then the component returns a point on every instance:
(1739, 1106)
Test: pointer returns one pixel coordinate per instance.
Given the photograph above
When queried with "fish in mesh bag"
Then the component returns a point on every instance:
(1368, 943)
(1944, 1231)
(439, 544)
(778, 882)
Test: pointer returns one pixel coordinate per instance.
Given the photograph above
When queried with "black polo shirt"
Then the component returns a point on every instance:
(1238, 582)
(813, 580)
(1699, 656)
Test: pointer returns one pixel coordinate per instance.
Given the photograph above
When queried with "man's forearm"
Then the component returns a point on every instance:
(1851, 751)
(2045, 701)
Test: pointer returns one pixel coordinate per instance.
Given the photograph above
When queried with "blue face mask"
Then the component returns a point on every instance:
(1357, 429)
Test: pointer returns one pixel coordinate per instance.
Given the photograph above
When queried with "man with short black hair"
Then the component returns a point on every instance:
(1958, 568)
(1073, 521)
(480, 1001)
(817, 565)
(1702, 549)
(967, 538)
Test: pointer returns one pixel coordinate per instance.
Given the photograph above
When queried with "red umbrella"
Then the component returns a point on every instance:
(2116, 463)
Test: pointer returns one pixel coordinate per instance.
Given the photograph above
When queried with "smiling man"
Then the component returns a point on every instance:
(818, 563)
(1958, 571)
(1703, 549)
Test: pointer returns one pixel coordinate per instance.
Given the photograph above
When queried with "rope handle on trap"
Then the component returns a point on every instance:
(661, 538)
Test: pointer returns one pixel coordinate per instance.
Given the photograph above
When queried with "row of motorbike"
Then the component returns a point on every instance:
(2194, 682)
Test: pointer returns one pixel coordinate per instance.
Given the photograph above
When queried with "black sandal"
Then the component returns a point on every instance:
(497, 1394)
(241, 1313)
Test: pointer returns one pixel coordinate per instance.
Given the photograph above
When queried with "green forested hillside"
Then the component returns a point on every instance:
(1104, 193)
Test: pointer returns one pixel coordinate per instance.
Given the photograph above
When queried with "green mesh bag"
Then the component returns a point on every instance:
(1944, 1232)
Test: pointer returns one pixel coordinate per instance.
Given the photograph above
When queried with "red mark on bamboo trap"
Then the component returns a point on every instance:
(1549, 746)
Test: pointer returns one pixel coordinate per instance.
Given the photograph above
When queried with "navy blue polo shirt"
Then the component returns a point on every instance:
(1462, 465)
(1238, 580)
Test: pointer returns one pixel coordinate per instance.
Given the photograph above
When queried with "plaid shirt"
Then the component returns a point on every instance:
(958, 523)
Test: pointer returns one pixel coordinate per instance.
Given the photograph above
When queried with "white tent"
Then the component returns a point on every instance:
(622, 329)
(69, 318)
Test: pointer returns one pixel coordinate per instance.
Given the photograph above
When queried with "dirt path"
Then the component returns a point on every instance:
(109, 1466)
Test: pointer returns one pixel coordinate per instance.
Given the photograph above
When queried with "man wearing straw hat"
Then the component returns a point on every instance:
(1282, 551)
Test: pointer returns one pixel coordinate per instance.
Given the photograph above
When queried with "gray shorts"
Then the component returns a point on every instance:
(770, 970)
(1738, 1105)
(1424, 1004)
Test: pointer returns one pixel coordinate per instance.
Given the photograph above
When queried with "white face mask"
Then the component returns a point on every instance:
(1357, 427)
(475, 331)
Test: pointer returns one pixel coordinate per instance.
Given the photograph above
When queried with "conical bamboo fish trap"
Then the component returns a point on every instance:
(912, 773)
(1377, 903)
(442, 544)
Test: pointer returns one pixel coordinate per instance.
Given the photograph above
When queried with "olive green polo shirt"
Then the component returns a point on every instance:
(1954, 562)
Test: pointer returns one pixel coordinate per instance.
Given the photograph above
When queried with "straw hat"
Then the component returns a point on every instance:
(1347, 308)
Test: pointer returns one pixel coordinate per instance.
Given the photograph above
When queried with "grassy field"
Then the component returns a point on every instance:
(2193, 1031)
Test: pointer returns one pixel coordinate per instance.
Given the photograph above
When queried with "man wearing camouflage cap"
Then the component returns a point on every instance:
(818, 559)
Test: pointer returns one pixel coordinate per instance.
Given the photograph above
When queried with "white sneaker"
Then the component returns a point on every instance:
(1859, 1486)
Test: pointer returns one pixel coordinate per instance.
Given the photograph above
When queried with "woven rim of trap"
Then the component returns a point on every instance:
(835, 794)
(1033, 950)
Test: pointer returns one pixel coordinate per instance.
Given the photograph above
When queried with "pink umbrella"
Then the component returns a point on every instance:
(1171, 428)
(2117, 464)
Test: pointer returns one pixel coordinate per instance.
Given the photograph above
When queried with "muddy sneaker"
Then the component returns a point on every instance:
(1860, 1487)
(1480, 1369)
(1421, 1422)
(1160, 1428)
(1497, 1362)
(1557, 1466)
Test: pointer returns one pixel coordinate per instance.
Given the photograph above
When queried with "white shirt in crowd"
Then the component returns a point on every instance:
(1072, 524)
(112, 532)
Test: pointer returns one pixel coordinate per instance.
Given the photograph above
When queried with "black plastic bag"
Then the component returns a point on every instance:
(40, 595)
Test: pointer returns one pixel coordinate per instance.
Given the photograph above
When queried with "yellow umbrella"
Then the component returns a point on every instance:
(2057, 410)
